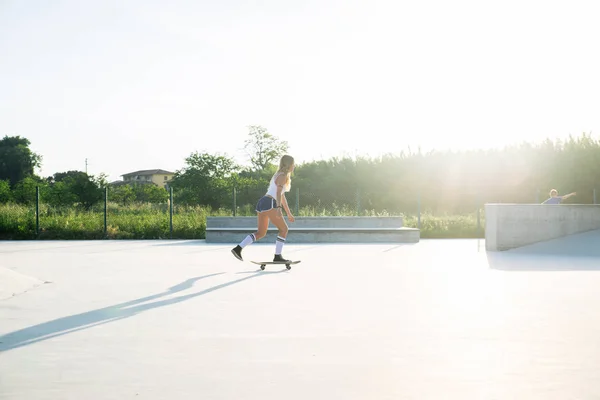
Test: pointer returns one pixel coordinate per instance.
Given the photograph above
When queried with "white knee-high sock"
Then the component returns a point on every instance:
(248, 240)
(279, 244)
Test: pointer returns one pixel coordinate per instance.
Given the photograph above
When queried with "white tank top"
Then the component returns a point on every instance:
(272, 191)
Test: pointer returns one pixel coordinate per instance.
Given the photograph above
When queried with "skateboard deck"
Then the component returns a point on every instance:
(288, 264)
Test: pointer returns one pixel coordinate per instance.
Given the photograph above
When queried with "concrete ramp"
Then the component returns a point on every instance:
(13, 283)
(577, 252)
(585, 244)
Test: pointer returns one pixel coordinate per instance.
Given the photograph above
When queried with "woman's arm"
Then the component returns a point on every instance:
(279, 181)
(281, 199)
(287, 209)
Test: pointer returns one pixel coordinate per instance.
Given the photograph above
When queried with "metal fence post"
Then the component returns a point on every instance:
(37, 212)
(297, 201)
(105, 211)
(171, 212)
(419, 210)
(595, 196)
(358, 201)
(479, 206)
(234, 202)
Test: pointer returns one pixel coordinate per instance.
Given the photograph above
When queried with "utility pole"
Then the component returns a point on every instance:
(86, 166)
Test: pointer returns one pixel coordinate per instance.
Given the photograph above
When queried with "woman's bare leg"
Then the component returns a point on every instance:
(279, 222)
(263, 225)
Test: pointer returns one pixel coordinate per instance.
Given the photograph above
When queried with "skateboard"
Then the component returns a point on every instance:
(288, 264)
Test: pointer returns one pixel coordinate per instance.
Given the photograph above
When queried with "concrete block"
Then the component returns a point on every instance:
(316, 230)
(323, 235)
(311, 222)
(509, 226)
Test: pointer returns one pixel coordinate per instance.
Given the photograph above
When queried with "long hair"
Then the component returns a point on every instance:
(285, 166)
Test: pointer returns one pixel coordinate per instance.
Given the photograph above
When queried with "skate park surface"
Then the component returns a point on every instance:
(438, 319)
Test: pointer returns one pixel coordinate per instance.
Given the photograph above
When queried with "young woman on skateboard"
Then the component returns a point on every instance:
(269, 208)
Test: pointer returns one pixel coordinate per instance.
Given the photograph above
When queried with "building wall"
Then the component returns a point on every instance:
(159, 179)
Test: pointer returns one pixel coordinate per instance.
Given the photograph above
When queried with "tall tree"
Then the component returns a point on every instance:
(75, 187)
(17, 161)
(5, 193)
(150, 194)
(24, 190)
(206, 179)
(263, 148)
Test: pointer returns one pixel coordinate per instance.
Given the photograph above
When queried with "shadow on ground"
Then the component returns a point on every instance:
(579, 252)
(78, 322)
(181, 242)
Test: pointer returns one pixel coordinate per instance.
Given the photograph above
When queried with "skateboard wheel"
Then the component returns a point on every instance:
(288, 266)
(262, 267)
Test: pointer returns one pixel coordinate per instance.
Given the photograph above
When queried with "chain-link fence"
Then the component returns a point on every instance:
(182, 216)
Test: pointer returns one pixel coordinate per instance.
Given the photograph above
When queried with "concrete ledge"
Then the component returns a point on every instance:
(316, 230)
(331, 229)
(311, 222)
(509, 226)
(322, 235)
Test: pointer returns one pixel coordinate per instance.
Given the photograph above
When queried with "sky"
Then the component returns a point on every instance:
(134, 84)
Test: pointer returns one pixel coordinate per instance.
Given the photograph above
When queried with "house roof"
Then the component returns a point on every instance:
(123, 183)
(145, 172)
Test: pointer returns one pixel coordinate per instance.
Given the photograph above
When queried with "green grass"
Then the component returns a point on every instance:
(16, 222)
(150, 221)
(447, 226)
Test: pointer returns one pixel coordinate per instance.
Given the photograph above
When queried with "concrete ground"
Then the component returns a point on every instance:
(441, 319)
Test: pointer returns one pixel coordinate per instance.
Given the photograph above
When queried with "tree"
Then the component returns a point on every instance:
(17, 161)
(150, 194)
(63, 176)
(24, 190)
(207, 165)
(263, 148)
(59, 194)
(122, 195)
(207, 179)
(75, 187)
(5, 193)
(87, 190)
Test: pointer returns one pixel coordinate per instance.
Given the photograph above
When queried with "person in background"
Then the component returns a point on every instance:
(556, 199)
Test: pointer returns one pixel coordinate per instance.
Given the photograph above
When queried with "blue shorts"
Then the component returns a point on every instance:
(265, 203)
